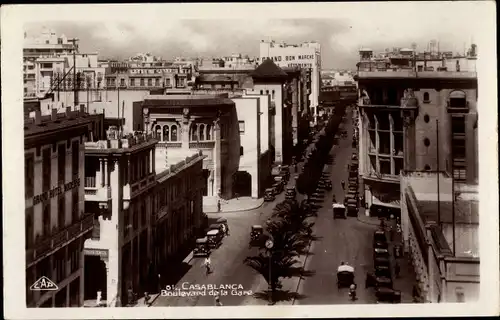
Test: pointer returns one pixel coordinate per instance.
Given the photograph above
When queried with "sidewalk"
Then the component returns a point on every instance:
(232, 205)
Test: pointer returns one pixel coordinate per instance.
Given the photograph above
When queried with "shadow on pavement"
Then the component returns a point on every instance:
(279, 295)
(316, 238)
(175, 274)
(300, 272)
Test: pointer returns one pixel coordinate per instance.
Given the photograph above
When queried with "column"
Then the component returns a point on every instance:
(106, 173)
(217, 158)
(391, 142)
(186, 124)
(151, 164)
(377, 144)
(101, 172)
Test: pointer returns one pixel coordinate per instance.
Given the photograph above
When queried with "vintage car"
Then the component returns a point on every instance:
(345, 276)
(256, 231)
(389, 295)
(383, 282)
(354, 156)
(339, 211)
(278, 188)
(216, 226)
(380, 239)
(269, 195)
(222, 221)
(201, 248)
(352, 208)
(383, 271)
(328, 184)
(285, 172)
(379, 261)
(214, 238)
(290, 193)
(380, 253)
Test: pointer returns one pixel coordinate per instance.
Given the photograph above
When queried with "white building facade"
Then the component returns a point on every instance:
(305, 55)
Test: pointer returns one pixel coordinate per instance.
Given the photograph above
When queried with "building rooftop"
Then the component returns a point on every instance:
(268, 69)
(118, 143)
(408, 73)
(55, 122)
(466, 212)
(180, 100)
(179, 166)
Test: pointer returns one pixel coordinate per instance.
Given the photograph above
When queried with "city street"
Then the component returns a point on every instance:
(227, 260)
(339, 240)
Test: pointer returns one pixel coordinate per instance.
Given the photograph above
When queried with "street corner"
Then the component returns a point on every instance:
(235, 205)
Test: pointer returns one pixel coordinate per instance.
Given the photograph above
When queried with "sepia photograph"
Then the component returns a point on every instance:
(262, 156)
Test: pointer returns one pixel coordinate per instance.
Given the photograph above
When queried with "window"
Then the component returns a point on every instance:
(201, 133)
(458, 125)
(174, 133)
(267, 92)
(241, 151)
(194, 133)
(166, 132)
(157, 82)
(426, 118)
(46, 219)
(158, 132)
(426, 97)
(261, 92)
(122, 82)
(427, 142)
(272, 95)
(458, 148)
(46, 169)
(222, 129)
(459, 292)
(61, 212)
(75, 212)
(427, 167)
(132, 82)
(167, 82)
(142, 82)
(29, 175)
(29, 227)
(150, 82)
(61, 163)
(209, 133)
(75, 154)
(242, 126)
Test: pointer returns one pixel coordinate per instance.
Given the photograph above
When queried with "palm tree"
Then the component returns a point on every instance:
(272, 269)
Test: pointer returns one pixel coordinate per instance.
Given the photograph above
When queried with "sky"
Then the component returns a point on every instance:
(212, 30)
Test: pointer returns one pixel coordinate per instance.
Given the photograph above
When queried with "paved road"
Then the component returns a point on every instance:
(340, 240)
(227, 261)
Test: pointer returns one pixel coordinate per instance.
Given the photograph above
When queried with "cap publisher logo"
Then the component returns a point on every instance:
(44, 284)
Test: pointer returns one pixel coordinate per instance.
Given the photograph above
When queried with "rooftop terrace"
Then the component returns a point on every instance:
(116, 142)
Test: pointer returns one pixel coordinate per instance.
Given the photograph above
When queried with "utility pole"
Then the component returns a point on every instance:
(438, 177)
(74, 41)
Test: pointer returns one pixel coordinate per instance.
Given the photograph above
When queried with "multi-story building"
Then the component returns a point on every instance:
(413, 120)
(235, 61)
(208, 123)
(135, 231)
(305, 55)
(57, 223)
(441, 235)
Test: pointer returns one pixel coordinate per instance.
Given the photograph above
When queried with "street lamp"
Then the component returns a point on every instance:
(269, 245)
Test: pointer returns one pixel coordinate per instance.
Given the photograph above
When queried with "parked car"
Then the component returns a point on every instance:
(269, 195)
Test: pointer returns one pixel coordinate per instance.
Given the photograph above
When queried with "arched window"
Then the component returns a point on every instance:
(158, 132)
(426, 97)
(194, 132)
(201, 132)
(174, 133)
(166, 136)
(209, 132)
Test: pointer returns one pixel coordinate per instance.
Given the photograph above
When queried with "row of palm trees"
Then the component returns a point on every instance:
(290, 228)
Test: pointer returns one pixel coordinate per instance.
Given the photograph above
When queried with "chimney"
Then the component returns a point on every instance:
(68, 112)
(82, 108)
(38, 117)
(53, 115)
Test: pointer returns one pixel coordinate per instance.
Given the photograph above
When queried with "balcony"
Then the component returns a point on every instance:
(132, 190)
(165, 144)
(48, 246)
(202, 145)
(380, 177)
(100, 194)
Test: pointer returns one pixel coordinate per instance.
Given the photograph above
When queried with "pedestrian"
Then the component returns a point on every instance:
(217, 301)
(218, 205)
(227, 230)
(208, 265)
(397, 269)
(223, 226)
(147, 297)
(343, 184)
(415, 293)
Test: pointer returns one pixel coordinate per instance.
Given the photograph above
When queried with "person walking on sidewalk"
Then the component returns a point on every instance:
(397, 269)
(217, 301)
(208, 265)
(342, 183)
(415, 293)
(218, 205)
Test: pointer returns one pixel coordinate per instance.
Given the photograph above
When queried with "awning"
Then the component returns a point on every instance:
(345, 268)
(391, 204)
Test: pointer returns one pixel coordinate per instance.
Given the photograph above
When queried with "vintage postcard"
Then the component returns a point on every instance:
(291, 160)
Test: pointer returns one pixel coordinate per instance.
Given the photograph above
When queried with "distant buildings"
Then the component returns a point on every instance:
(306, 55)
(233, 62)
(57, 222)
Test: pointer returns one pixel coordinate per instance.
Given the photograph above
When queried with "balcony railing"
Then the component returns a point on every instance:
(98, 194)
(165, 144)
(58, 240)
(382, 177)
(202, 145)
(90, 182)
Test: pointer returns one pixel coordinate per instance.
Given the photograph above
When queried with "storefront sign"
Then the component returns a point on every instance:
(56, 191)
(96, 252)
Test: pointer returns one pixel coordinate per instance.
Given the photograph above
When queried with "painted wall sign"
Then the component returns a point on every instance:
(56, 191)
(96, 252)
